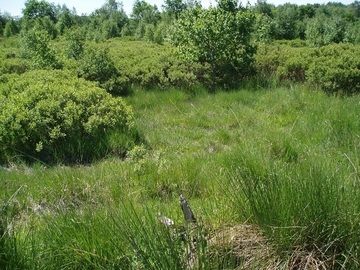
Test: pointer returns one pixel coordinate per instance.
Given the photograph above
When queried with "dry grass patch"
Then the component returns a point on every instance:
(246, 247)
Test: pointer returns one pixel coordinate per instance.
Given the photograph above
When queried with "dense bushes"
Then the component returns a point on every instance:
(14, 65)
(332, 68)
(154, 66)
(53, 116)
(336, 68)
(98, 66)
(120, 65)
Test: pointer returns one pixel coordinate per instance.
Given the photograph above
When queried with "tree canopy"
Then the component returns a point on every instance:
(34, 9)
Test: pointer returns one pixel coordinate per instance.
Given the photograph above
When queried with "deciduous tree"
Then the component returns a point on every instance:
(219, 36)
(35, 8)
(144, 12)
(174, 7)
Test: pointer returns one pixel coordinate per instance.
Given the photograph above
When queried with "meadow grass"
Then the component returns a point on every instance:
(282, 163)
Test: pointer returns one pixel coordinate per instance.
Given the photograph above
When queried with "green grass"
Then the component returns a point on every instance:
(283, 162)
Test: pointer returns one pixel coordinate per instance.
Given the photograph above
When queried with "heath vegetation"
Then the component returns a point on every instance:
(250, 112)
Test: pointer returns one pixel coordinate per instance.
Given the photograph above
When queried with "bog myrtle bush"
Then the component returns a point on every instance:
(36, 47)
(56, 117)
(98, 66)
(14, 65)
(332, 68)
(336, 68)
(75, 38)
(153, 66)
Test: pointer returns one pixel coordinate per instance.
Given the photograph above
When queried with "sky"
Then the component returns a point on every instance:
(14, 7)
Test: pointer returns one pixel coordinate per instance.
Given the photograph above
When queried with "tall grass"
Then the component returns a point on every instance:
(283, 162)
(299, 183)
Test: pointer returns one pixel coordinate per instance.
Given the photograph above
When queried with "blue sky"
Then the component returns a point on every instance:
(14, 7)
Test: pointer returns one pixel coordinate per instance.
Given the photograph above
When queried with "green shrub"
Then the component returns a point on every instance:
(219, 37)
(36, 48)
(11, 28)
(98, 66)
(149, 32)
(46, 24)
(187, 75)
(268, 59)
(294, 67)
(14, 65)
(53, 116)
(76, 40)
(332, 68)
(336, 69)
(158, 35)
(140, 31)
(149, 65)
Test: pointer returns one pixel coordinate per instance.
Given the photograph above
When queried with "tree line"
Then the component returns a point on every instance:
(315, 24)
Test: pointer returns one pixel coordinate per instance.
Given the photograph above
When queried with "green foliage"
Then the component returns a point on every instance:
(145, 13)
(36, 48)
(140, 31)
(352, 33)
(37, 9)
(324, 31)
(110, 29)
(148, 66)
(53, 116)
(264, 8)
(105, 22)
(218, 37)
(11, 28)
(159, 34)
(319, 23)
(14, 65)
(45, 24)
(286, 21)
(76, 41)
(264, 29)
(2, 23)
(295, 196)
(336, 69)
(149, 32)
(333, 68)
(174, 7)
(65, 20)
(98, 66)
(306, 11)
(127, 31)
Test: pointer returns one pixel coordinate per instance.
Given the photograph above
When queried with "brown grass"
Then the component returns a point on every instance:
(252, 250)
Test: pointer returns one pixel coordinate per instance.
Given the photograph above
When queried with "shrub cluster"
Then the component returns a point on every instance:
(333, 68)
(14, 65)
(97, 65)
(36, 48)
(155, 66)
(120, 65)
(54, 116)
